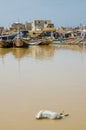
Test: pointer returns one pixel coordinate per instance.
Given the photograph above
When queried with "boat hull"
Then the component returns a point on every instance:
(46, 41)
(6, 43)
(19, 43)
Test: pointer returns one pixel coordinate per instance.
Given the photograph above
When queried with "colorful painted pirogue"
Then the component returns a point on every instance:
(5, 42)
(19, 42)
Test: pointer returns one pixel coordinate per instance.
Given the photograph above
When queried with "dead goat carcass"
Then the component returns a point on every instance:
(43, 114)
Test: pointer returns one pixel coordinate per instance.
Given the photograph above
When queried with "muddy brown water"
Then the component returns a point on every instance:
(42, 78)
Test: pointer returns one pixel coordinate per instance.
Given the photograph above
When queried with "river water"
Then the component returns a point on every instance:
(42, 78)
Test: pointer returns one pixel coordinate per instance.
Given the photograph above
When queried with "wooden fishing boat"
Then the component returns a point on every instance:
(74, 41)
(19, 42)
(45, 41)
(6, 40)
(6, 43)
(31, 41)
(34, 42)
(57, 41)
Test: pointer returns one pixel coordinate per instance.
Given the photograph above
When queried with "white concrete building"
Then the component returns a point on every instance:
(41, 24)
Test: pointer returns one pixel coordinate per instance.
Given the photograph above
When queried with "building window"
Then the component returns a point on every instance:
(45, 22)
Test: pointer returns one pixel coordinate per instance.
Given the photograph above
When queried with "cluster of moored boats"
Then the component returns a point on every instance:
(20, 39)
(16, 40)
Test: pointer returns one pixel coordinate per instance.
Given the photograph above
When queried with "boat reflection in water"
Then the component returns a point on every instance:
(38, 52)
(42, 52)
(70, 47)
(19, 53)
(4, 51)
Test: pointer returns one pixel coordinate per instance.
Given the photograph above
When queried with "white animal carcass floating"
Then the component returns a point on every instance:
(50, 115)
